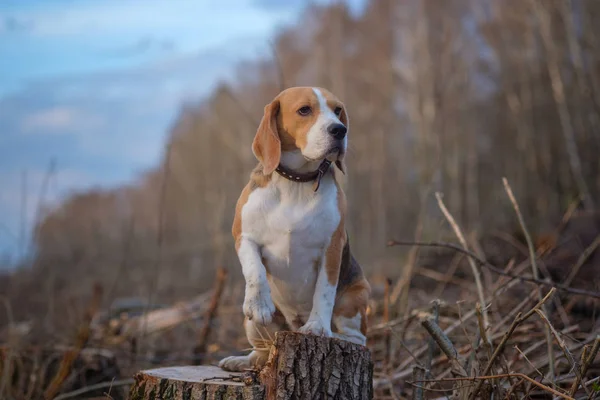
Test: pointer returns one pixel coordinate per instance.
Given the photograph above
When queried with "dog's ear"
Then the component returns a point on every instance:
(340, 163)
(344, 117)
(267, 145)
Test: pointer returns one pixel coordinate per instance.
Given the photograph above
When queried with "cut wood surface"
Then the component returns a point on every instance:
(193, 382)
(299, 367)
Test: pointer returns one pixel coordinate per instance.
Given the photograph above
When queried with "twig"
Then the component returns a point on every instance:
(386, 319)
(562, 345)
(543, 363)
(519, 319)
(536, 274)
(472, 343)
(528, 361)
(568, 214)
(539, 304)
(445, 344)
(404, 372)
(560, 310)
(463, 242)
(83, 390)
(399, 294)
(530, 245)
(418, 376)
(482, 331)
(513, 375)
(582, 259)
(431, 344)
(440, 338)
(444, 278)
(71, 354)
(448, 276)
(496, 269)
(410, 353)
(514, 388)
(585, 366)
(515, 310)
(511, 268)
(386, 325)
(211, 312)
(592, 381)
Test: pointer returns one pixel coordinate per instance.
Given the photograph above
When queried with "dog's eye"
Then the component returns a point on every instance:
(304, 111)
(337, 111)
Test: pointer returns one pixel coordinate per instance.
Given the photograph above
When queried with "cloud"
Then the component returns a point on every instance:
(69, 37)
(102, 128)
(12, 24)
(53, 119)
(355, 6)
(142, 46)
(224, 19)
(277, 4)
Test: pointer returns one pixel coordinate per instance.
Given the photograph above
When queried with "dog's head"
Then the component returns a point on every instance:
(308, 119)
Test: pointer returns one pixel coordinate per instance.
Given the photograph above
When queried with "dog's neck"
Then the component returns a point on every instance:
(303, 171)
(295, 161)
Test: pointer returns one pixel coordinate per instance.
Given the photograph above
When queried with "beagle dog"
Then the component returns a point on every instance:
(289, 228)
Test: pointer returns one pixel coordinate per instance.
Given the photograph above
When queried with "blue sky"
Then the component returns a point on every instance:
(95, 84)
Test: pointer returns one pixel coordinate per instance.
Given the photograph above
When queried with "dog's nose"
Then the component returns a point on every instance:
(338, 131)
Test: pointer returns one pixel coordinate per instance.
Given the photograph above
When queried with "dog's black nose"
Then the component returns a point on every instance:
(338, 131)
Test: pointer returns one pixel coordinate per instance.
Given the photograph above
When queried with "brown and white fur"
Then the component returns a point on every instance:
(291, 240)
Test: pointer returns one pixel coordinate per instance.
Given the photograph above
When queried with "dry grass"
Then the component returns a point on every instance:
(441, 348)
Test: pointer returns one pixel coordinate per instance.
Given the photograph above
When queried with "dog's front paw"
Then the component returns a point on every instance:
(258, 305)
(316, 327)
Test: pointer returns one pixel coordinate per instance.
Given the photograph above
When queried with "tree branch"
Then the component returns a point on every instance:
(495, 269)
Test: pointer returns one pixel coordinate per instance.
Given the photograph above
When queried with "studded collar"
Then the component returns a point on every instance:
(305, 177)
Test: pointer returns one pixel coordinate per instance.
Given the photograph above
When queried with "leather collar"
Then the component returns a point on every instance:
(305, 177)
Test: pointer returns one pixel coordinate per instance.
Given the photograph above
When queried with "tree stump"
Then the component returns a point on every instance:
(299, 367)
(312, 367)
(194, 382)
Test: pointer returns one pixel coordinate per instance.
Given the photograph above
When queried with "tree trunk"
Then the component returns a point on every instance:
(299, 367)
(311, 367)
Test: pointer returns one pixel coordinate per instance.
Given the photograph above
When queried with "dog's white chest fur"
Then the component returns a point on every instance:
(292, 225)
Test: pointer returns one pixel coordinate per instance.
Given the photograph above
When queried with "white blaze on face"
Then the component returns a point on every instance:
(319, 141)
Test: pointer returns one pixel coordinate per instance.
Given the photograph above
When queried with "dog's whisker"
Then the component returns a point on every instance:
(271, 338)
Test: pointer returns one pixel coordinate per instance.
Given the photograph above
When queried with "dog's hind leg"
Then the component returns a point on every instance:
(349, 329)
(350, 313)
(260, 337)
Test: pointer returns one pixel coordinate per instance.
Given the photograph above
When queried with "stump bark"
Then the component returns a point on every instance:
(312, 367)
(299, 367)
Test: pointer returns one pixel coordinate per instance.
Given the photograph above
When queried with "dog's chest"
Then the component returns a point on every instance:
(293, 229)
